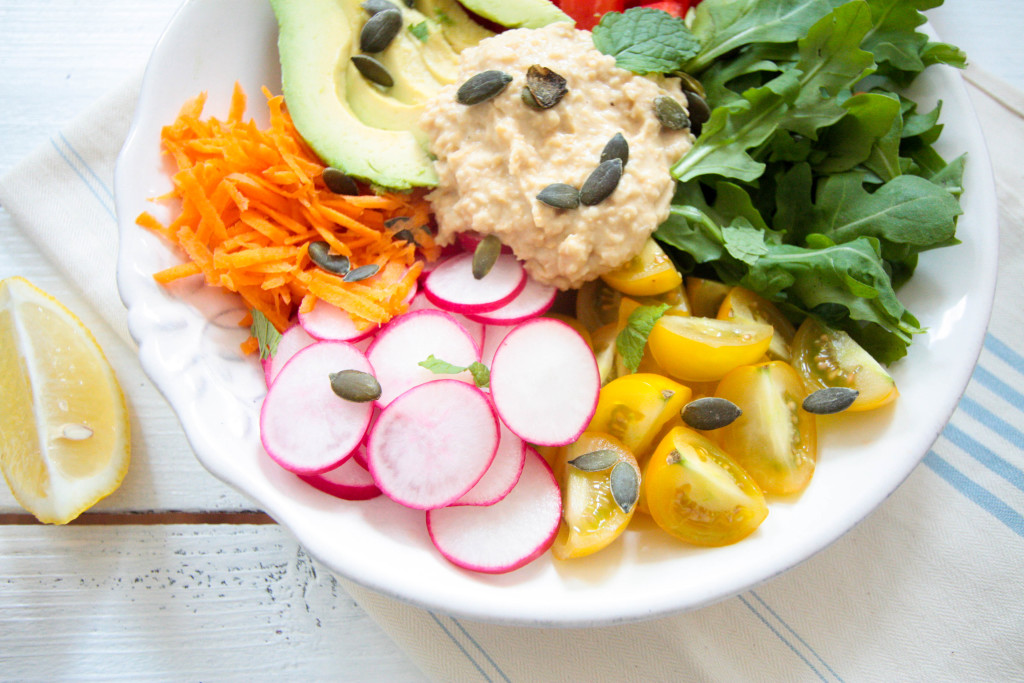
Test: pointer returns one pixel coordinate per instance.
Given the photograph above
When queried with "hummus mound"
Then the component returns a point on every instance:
(494, 158)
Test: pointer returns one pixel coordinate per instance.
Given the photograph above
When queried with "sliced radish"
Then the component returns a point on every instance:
(327, 322)
(304, 426)
(349, 481)
(503, 473)
(292, 341)
(432, 444)
(533, 301)
(475, 329)
(507, 535)
(452, 286)
(493, 336)
(470, 239)
(545, 382)
(410, 339)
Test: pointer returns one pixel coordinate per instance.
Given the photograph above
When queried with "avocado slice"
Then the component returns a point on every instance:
(368, 131)
(518, 14)
(316, 40)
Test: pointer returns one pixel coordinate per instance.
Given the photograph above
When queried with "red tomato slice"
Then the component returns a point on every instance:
(587, 13)
(677, 8)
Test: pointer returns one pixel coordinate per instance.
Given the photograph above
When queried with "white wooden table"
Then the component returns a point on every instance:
(175, 575)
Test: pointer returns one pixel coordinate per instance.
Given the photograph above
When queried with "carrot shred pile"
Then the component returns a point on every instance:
(252, 201)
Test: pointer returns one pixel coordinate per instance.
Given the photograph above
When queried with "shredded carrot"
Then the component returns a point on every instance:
(253, 200)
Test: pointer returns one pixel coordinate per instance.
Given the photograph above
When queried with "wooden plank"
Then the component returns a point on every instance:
(180, 601)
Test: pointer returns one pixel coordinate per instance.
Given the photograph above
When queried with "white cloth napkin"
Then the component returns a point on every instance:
(929, 588)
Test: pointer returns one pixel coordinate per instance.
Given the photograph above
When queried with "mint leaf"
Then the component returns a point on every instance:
(744, 242)
(633, 338)
(645, 40)
(420, 30)
(481, 375)
(266, 334)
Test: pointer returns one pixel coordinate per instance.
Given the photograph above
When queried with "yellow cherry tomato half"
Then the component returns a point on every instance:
(705, 349)
(773, 440)
(697, 493)
(827, 357)
(591, 518)
(648, 273)
(705, 296)
(597, 304)
(741, 303)
(634, 408)
(603, 346)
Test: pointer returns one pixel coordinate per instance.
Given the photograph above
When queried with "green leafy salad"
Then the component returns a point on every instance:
(814, 182)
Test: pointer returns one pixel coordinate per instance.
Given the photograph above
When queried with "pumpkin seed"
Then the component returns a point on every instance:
(617, 148)
(485, 256)
(830, 400)
(482, 87)
(320, 254)
(670, 113)
(698, 107)
(691, 84)
(547, 87)
(355, 386)
(625, 486)
(601, 183)
(406, 236)
(595, 461)
(528, 99)
(560, 196)
(392, 222)
(379, 30)
(362, 272)
(338, 182)
(374, 6)
(372, 70)
(710, 413)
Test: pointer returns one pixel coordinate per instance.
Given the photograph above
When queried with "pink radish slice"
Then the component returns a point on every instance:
(545, 382)
(327, 322)
(292, 341)
(348, 481)
(451, 285)
(503, 473)
(304, 426)
(470, 239)
(493, 336)
(475, 329)
(507, 535)
(534, 300)
(410, 339)
(432, 444)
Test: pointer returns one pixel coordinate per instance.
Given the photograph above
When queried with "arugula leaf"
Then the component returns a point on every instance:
(632, 339)
(265, 333)
(644, 40)
(725, 25)
(869, 117)
(907, 211)
(481, 375)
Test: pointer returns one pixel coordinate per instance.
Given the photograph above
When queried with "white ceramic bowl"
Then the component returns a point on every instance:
(188, 339)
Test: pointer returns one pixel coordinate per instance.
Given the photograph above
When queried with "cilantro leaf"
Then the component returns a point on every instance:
(481, 375)
(265, 333)
(420, 30)
(645, 40)
(633, 338)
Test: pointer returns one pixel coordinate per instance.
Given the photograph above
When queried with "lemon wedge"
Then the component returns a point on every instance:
(64, 431)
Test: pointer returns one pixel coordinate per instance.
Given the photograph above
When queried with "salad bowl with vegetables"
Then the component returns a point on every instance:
(802, 241)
